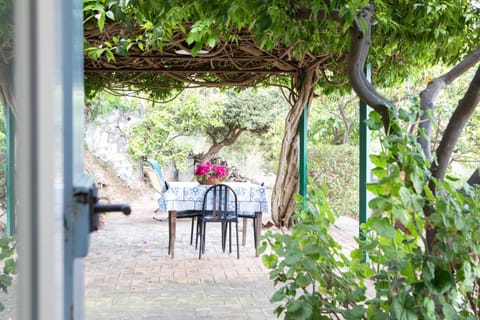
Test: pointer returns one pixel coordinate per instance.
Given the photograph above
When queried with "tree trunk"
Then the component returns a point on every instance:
(215, 148)
(286, 183)
(6, 87)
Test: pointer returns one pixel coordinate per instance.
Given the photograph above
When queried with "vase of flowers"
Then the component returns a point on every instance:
(208, 173)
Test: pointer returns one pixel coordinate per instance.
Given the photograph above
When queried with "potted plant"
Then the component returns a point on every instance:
(208, 173)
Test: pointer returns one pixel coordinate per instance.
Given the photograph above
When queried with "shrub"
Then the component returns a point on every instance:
(410, 277)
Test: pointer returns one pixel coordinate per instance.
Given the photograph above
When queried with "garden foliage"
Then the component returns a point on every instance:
(393, 274)
(8, 261)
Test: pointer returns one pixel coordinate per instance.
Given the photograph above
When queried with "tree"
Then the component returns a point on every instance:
(160, 133)
(388, 112)
(245, 111)
(299, 44)
(6, 54)
(221, 117)
(334, 119)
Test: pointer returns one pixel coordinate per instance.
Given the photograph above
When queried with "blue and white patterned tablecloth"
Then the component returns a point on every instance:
(189, 195)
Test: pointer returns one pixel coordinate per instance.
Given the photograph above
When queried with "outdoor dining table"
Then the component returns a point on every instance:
(189, 196)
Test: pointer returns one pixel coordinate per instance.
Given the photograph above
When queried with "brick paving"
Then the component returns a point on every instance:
(128, 274)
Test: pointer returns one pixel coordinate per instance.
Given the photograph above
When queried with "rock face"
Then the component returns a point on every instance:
(107, 139)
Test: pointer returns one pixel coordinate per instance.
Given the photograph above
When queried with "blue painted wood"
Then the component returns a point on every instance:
(76, 214)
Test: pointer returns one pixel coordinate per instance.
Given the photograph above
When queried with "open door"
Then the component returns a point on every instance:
(49, 104)
(56, 202)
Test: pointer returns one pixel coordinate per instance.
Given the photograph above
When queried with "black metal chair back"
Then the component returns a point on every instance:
(220, 204)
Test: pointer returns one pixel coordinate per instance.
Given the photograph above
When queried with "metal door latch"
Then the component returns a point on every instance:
(86, 214)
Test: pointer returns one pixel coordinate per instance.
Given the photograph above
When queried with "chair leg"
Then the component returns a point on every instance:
(198, 233)
(255, 233)
(230, 237)
(224, 235)
(200, 225)
(191, 231)
(204, 232)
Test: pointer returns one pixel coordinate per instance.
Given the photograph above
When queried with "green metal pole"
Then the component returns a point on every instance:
(10, 128)
(364, 174)
(303, 129)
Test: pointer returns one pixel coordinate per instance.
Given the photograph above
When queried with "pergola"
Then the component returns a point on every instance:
(240, 63)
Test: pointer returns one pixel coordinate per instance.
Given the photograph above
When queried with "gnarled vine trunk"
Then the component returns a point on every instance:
(6, 86)
(286, 183)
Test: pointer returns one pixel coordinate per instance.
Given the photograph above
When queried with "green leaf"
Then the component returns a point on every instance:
(357, 312)
(403, 307)
(279, 295)
(10, 266)
(379, 160)
(302, 280)
(405, 115)
(443, 280)
(384, 228)
(5, 279)
(449, 312)
(270, 260)
(212, 41)
(110, 56)
(100, 20)
(374, 122)
(110, 15)
(380, 203)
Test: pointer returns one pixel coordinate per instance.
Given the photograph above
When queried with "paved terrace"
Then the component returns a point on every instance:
(129, 275)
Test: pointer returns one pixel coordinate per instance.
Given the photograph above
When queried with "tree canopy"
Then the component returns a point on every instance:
(164, 44)
(158, 46)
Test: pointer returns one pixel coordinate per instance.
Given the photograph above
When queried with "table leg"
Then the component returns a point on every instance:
(172, 231)
(258, 229)
(244, 232)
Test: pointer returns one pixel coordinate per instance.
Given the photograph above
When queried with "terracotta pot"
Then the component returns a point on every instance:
(204, 180)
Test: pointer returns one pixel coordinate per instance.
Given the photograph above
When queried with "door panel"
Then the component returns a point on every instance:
(49, 105)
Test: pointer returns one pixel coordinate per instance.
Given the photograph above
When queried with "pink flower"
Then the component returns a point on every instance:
(211, 171)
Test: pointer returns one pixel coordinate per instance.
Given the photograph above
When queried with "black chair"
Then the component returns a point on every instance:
(219, 205)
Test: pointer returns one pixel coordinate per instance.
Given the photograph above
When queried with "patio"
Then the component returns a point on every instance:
(129, 274)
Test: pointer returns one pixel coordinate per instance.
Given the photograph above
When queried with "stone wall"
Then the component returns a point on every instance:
(107, 139)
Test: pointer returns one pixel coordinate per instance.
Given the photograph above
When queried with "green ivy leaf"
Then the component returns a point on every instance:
(384, 228)
(403, 307)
